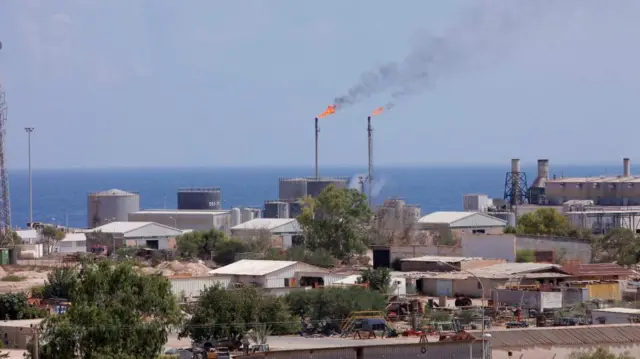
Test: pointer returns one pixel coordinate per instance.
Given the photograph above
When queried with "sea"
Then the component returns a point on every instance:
(60, 195)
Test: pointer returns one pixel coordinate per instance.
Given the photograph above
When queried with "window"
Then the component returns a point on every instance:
(286, 282)
(478, 231)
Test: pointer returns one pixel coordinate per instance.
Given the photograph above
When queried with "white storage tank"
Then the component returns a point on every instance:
(236, 217)
(113, 205)
(247, 214)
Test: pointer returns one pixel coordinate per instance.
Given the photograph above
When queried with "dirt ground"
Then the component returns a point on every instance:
(33, 277)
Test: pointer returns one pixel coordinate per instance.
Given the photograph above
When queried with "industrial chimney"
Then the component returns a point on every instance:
(543, 169)
(515, 165)
(627, 167)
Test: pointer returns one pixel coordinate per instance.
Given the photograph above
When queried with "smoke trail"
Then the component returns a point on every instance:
(489, 27)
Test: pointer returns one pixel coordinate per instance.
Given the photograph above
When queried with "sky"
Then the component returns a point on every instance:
(164, 83)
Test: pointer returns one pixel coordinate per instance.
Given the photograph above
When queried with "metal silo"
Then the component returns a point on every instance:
(236, 216)
(292, 189)
(247, 214)
(276, 209)
(316, 186)
(200, 198)
(111, 206)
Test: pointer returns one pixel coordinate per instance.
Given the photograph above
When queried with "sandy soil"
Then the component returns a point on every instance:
(33, 278)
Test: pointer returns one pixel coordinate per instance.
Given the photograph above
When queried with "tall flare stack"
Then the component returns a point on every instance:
(370, 174)
(317, 133)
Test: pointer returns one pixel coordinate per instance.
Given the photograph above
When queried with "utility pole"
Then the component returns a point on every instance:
(36, 341)
(29, 130)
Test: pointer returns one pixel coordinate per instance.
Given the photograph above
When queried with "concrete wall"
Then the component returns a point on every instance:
(489, 246)
(613, 317)
(413, 251)
(568, 248)
(191, 287)
(528, 299)
(560, 352)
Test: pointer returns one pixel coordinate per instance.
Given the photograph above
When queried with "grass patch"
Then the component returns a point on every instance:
(12, 278)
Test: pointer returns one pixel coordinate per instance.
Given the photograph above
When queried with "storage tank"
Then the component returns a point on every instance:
(316, 186)
(113, 205)
(200, 199)
(236, 217)
(510, 217)
(276, 209)
(247, 214)
(292, 189)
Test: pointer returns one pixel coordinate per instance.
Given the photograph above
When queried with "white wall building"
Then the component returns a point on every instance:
(73, 243)
(186, 219)
(29, 236)
(398, 285)
(284, 231)
(276, 277)
(140, 234)
(472, 222)
(616, 316)
(189, 288)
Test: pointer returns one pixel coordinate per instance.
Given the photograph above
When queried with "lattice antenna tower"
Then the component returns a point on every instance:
(5, 206)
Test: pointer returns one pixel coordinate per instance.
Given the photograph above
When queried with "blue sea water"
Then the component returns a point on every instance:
(60, 196)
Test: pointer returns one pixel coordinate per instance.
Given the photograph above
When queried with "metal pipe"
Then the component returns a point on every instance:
(29, 130)
(317, 131)
(370, 144)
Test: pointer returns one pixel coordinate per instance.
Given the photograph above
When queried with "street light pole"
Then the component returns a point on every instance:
(481, 288)
(29, 130)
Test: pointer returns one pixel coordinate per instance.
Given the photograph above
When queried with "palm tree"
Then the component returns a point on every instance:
(260, 334)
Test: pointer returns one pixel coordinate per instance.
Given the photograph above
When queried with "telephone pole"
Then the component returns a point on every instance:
(29, 130)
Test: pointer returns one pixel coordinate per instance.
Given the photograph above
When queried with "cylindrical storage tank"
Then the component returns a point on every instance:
(247, 214)
(200, 199)
(543, 169)
(626, 167)
(316, 186)
(236, 217)
(292, 189)
(515, 165)
(113, 205)
(510, 217)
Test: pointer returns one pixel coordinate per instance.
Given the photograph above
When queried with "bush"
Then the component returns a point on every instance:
(525, 256)
(334, 302)
(12, 278)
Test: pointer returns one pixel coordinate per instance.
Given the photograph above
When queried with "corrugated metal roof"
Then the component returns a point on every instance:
(114, 192)
(557, 336)
(517, 268)
(597, 269)
(121, 227)
(444, 217)
(264, 223)
(600, 179)
(74, 237)
(252, 267)
(178, 212)
(440, 259)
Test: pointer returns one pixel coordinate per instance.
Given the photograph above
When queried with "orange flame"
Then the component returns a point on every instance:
(377, 111)
(331, 109)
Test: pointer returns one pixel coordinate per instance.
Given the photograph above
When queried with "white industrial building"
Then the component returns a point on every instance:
(276, 277)
(398, 285)
(284, 231)
(197, 220)
(189, 288)
(135, 234)
(73, 243)
(28, 236)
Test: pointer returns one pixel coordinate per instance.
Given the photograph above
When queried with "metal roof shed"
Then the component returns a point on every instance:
(273, 225)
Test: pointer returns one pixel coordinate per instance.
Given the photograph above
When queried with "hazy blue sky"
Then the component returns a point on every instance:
(218, 83)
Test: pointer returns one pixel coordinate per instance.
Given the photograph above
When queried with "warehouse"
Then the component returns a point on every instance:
(277, 277)
(451, 226)
(132, 234)
(283, 232)
(73, 243)
(197, 220)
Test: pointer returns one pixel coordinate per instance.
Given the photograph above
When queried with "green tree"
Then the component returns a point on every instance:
(619, 245)
(525, 256)
(334, 302)
(221, 313)
(227, 248)
(60, 283)
(337, 221)
(379, 279)
(52, 236)
(600, 353)
(207, 245)
(116, 313)
(544, 221)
